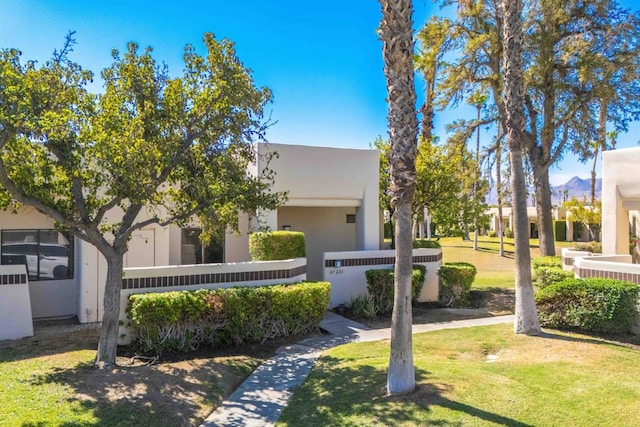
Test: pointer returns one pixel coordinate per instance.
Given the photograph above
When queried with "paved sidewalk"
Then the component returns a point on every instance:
(259, 401)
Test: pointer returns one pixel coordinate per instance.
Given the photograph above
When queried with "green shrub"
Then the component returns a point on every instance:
(276, 245)
(508, 233)
(364, 307)
(595, 305)
(547, 261)
(491, 233)
(547, 276)
(593, 247)
(183, 321)
(426, 244)
(560, 228)
(380, 286)
(456, 279)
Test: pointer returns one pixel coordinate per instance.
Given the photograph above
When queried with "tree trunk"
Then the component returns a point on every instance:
(526, 316)
(108, 345)
(499, 191)
(401, 375)
(397, 50)
(475, 183)
(544, 210)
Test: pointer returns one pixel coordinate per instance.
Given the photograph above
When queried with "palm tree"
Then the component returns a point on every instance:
(397, 51)
(477, 99)
(526, 317)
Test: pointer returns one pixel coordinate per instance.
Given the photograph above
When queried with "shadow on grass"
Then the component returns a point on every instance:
(158, 395)
(615, 340)
(349, 396)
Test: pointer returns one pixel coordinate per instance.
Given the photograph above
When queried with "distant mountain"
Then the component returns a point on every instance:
(575, 187)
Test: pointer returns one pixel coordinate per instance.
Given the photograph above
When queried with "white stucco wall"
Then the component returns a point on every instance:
(620, 197)
(15, 306)
(331, 177)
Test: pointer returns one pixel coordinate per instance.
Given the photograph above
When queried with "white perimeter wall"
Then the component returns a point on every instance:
(346, 272)
(620, 198)
(15, 306)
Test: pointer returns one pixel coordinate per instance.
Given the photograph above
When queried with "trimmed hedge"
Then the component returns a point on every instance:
(546, 261)
(560, 229)
(508, 233)
(183, 321)
(548, 271)
(380, 286)
(426, 244)
(547, 276)
(593, 247)
(594, 305)
(456, 279)
(276, 245)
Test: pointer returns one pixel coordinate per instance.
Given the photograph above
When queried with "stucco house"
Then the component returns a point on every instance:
(620, 200)
(332, 198)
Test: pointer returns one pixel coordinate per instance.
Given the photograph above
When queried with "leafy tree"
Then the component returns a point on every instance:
(397, 52)
(582, 66)
(152, 149)
(526, 316)
(588, 214)
(437, 185)
(384, 194)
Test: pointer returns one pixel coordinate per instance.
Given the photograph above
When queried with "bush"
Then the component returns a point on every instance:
(364, 307)
(183, 321)
(276, 245)
(593, 247)
(594, 305)
(492, 234)
(547, 276)
(560, 228)
(546, 261)
(508, 233)
(426, 244)
(380, 286)
(456, 279)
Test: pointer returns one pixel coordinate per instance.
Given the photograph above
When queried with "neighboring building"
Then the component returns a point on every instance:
(575, 231)
(620, 200)
(332, 198)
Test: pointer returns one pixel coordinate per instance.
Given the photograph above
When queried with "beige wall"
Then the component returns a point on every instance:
(325, 230)
(331, 177)
(620, 197)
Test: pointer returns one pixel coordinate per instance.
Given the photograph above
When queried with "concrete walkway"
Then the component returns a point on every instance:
(259, 401)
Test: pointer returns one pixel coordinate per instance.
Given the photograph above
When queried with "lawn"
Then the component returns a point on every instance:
(494, 271)
(476, 377)
(49, 380)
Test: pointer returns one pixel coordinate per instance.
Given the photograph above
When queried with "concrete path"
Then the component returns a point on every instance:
(259, 401)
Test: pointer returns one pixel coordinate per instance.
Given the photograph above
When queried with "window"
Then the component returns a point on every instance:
(194, 253)
(47, 254)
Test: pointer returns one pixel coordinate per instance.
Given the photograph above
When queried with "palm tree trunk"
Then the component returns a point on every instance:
(526, 316)
(397, 51)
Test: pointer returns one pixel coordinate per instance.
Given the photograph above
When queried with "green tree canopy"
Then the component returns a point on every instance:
(151, 149)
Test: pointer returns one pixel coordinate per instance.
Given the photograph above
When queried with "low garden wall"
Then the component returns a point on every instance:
(15, 303)
(569, 255)
(617, 267)
(345, 272)
(205, 276)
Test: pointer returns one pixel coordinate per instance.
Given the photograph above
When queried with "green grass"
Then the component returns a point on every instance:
(493, 271)
(552, 380)
(51, 381)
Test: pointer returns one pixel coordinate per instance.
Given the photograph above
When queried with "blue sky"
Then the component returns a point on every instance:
(322, 60)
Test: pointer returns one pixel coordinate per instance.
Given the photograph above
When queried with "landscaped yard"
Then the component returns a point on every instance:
(49, 380)
(477, 377)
